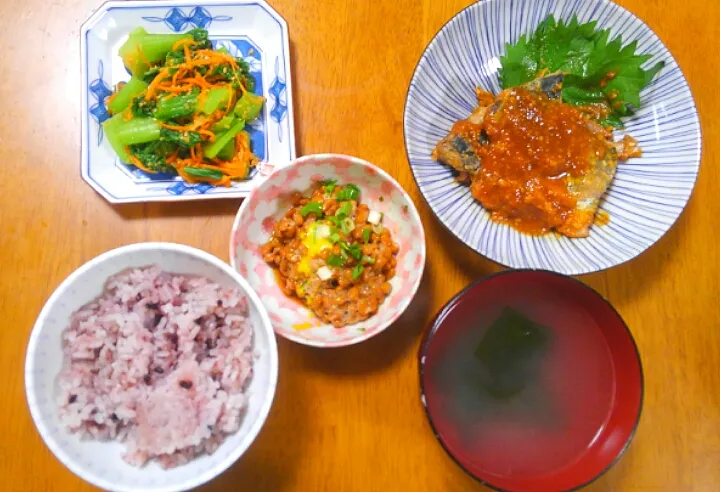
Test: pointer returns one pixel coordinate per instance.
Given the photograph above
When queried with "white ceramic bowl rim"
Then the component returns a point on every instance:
(413, 213)
(252, 432)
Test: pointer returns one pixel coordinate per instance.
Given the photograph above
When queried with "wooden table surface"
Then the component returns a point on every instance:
(349, 419)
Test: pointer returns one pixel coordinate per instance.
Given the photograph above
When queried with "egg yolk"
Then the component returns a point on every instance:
(315, 241)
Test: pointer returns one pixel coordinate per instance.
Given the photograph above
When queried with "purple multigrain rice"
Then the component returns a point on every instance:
(159, 361)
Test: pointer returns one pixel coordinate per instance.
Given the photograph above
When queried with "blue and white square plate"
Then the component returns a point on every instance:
(250, 29)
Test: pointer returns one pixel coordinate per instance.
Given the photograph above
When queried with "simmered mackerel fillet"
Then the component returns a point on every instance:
(534, 162)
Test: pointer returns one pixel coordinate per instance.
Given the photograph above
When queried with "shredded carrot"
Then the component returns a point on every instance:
(209, 134)
(137, 163)
(162, 75)
(192, 73)
(178, 73)
(186, 128)
(184, 43)
(176, 89)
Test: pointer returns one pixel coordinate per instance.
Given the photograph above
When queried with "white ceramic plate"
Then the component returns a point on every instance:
(250, 29)
(101, 463)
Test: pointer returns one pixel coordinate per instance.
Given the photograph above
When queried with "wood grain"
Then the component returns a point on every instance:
(349, 419)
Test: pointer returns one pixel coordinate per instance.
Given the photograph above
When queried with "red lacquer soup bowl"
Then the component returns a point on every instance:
(531, 381)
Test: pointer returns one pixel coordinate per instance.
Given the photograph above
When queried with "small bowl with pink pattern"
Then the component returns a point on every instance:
(270, 201)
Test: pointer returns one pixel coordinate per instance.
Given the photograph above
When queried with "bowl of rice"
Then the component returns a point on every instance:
(152, 367)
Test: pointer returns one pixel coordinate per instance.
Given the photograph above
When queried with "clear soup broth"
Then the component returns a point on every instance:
(559, 400)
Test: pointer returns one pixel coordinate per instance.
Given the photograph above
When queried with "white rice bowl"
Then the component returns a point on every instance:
(101, 462)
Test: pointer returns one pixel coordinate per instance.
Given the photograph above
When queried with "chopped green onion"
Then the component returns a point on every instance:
(334, 220)
(347, 226)
(335, 237)
(353, 250)
(343, 210)
(335, 261)
(329, 185)
(366, 235)
(350, 192)
(354, 191)
(312, 208)
(369, 260)
(357, 271)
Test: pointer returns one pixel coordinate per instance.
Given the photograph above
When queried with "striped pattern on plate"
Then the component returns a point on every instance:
(646, 196)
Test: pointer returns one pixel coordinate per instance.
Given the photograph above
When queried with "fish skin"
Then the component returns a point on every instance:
(456, 152)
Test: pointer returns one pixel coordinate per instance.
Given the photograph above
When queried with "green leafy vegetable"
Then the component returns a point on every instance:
(200, 36)
(227, 152)
(130, 132)
(249, 106)
(357, 271)
(141, 107)
(183, 139)
(142, 47)
(165, 111)
(217, 98)
(153, 155)
(211, 150)
(224, 124)
(124, 97)
(335, 261)
(312, 208)
(201, 172)
(170, 108)
(509, 351)
(597, 69)
(174, 58)
(110, 127)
